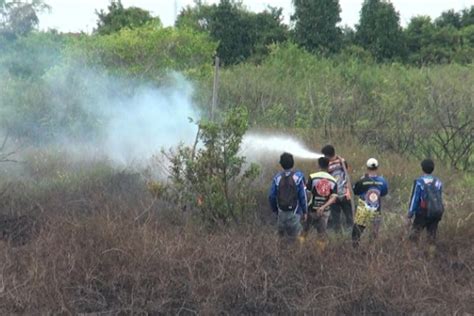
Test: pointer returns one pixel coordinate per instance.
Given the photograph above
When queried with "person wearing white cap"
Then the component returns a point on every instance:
(370, 188)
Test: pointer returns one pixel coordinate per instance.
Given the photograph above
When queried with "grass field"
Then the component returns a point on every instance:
(87, 238)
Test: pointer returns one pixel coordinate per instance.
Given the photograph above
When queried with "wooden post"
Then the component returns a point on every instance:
(215, 88)
(175, 11)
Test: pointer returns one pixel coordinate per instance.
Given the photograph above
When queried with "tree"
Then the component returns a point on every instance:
(428, 42)
(239, 32)
(348, 36)
(119, 17)
(269, 29)
(32, 55)
(379, 30)
(316, 24)
(147, 52)
(18, 18)
(419, 36)
(197, 17)
(446, 42)
(449, 18)
(467, 34)
(467, 17)
(227, 23)
(233, 29)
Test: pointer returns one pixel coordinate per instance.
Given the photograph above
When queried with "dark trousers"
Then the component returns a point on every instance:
(341, 206)
(421, 222)
(319, 222)
(357, 231)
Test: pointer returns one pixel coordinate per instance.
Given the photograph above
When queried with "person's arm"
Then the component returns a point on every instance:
(441, 191)
(302, 196)
(358, 188)
(309, 189)
(309, 193)
(349, 194)
(272, 197)
(329, 202)
(384, 189)
(302, 199)
(309, 184)
(332, 199)
(345, 173)
(414, 200)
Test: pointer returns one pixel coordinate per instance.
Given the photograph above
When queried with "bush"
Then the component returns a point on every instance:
(147, 52)
(210, 177)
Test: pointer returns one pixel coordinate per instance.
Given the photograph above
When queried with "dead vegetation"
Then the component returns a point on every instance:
(96, 258)
(98, 241)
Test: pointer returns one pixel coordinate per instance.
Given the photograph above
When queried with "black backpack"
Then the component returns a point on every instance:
(432, 200)
(287, 195)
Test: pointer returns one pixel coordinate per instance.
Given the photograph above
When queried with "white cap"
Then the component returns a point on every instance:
(372, 163)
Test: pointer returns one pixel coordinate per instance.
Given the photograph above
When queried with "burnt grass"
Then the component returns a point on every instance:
(110, 248)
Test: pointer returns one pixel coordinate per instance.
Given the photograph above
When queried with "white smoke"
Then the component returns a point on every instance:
(130, 122)
(153, 119)
(133, 121)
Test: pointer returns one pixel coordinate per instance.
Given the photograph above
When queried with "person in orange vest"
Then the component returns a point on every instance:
(338, 169)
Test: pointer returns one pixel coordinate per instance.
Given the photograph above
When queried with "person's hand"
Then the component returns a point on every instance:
(320, 211)
(305, 217)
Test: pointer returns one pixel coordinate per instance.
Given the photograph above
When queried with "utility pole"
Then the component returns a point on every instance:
(175, 10)
(215, 87)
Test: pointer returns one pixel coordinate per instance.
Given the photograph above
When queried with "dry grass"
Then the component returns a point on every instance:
(109, 262)
(102, 244)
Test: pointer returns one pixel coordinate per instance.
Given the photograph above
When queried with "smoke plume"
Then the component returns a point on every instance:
(91, 113)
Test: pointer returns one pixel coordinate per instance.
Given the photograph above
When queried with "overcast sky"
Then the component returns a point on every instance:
(78, 15)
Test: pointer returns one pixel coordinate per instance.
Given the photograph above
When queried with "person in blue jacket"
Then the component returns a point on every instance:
(288, 198)
(370, 188)
(418, 208)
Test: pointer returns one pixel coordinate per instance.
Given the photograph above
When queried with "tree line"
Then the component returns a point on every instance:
(243, 35)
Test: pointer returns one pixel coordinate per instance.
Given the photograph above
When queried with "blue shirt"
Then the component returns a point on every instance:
(298, 177)
(370, 189)
(417, 193)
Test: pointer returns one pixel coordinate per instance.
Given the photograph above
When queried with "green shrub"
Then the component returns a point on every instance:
(147, 52)
(211, 178)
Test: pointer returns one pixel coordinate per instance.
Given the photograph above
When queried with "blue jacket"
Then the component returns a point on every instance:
(300, 183)
(370, 189)
(417, 193)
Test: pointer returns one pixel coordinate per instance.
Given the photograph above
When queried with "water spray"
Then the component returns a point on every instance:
(258, 146)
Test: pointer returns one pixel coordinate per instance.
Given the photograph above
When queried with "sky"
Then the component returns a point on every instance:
(79, 15)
